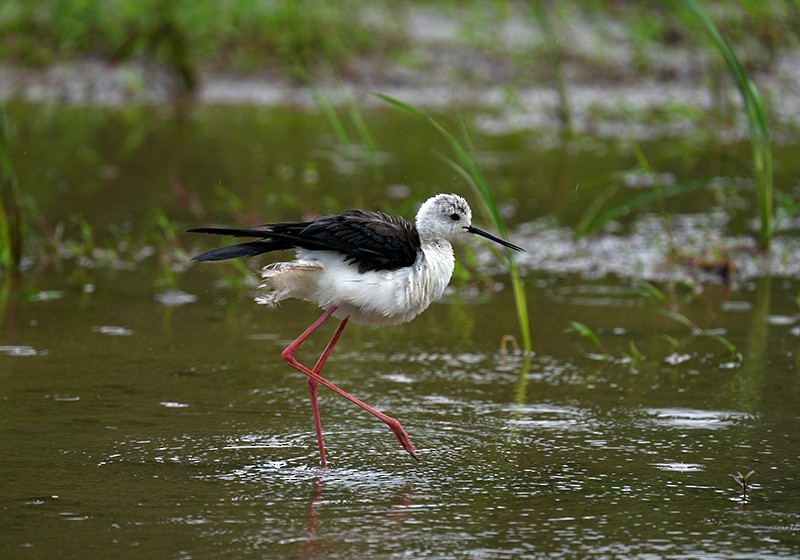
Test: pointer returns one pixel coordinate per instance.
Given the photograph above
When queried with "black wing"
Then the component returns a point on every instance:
(372, 240)
(250, 249)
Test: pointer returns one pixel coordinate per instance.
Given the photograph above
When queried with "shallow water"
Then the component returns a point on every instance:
(134, 428)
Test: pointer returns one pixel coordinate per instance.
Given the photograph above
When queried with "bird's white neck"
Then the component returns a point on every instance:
(431, 273)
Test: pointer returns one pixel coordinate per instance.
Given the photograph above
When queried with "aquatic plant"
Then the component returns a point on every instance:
(652, 292)
(172, 256)
(759, 135)
(467, 167)
(336, 123)
(697, 331)
(634, 355)
(166, 240)
(594, 217)
(756, 120)
(742, 481)
(589, 334)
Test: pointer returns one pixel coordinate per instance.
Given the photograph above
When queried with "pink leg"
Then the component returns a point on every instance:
(312, 389)
(313, 375)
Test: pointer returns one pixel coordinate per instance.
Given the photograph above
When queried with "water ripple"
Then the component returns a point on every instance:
(687, 418)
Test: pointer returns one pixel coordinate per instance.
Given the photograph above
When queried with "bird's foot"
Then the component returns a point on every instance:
(402, 437)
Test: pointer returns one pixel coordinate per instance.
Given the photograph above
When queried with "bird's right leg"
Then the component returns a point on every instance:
(314, 374)
(315, 378)
(312, 388)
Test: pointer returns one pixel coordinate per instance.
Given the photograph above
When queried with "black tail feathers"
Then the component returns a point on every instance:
(250, 249)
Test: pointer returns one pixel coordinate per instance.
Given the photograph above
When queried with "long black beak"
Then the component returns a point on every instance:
(487, 235)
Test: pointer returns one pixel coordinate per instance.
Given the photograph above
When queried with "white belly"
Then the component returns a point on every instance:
(388, 297)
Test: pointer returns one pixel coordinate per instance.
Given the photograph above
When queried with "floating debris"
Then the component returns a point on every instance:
(113, 331)
(172, 298)
(171, 404)
(19, 351)
(679, 467)
(66, 398)
(675, 358)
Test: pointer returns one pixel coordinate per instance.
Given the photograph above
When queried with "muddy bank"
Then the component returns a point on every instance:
(693, 249)
(614, 86)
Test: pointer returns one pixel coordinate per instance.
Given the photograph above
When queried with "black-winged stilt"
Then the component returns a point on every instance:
(361, 266)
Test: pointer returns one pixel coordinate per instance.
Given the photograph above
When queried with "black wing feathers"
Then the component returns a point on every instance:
(372, 240)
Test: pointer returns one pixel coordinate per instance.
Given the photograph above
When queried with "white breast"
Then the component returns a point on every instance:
(388, 297)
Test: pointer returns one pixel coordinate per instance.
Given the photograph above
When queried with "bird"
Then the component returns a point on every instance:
(360, 266)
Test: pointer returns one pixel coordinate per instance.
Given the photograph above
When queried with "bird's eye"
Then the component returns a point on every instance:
(455, 216)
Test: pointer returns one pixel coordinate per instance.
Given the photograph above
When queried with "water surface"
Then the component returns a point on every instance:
(134, 427)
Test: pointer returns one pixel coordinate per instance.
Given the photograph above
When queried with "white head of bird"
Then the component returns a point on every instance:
(444, 216)
(449, 217)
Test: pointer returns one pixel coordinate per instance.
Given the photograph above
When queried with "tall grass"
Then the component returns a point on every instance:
(756, 120)
(466, 166)
(239, 35)
(760, 143)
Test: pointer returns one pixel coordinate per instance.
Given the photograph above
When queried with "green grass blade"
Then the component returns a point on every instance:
(585, 332)
(325, 107)
(649, 290)
(401, 105)
(682, 319)
(672, 341)
(593, 224)
(730, 346)
(592, 219)
(756, 120)
(331, 116)
(589, 335)
(364, 134)
(466, 166)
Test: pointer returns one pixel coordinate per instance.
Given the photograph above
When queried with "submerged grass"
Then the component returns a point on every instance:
(10, 206)
(591, 336)
(466, 166)
(665, 308)
(593, 218)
